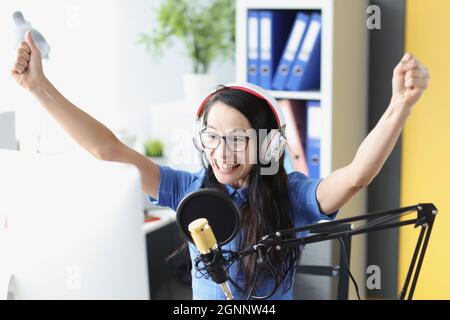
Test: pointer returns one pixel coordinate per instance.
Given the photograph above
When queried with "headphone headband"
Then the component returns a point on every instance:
(254, 90)
(274, 143)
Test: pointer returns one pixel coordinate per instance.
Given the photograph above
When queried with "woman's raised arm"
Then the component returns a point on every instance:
(84, 129)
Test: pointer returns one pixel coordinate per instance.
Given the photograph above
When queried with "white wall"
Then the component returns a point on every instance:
(96, 63)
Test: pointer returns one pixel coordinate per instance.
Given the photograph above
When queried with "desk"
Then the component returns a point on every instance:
(166, 216)
(162, 238)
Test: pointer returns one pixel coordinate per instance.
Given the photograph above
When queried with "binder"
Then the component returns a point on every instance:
(253, 47)
(293, 44)
(313, 139)
(295, 117)
(274, 28)
(305, 73)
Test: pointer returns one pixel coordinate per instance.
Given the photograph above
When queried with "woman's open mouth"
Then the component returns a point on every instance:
(225, 168)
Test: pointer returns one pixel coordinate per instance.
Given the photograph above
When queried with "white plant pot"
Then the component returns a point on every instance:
(197, 85)
(159, 160)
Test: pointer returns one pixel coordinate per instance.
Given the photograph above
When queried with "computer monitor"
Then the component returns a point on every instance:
(71, 228)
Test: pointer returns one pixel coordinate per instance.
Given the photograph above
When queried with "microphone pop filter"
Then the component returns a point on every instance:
(221, 212)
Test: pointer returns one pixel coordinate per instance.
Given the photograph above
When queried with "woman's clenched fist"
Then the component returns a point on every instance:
(27, 69)
(409, 81)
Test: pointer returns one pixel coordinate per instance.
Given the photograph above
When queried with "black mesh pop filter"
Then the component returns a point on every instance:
(221, 212)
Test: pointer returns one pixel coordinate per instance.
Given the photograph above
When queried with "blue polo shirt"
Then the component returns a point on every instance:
(175, 184)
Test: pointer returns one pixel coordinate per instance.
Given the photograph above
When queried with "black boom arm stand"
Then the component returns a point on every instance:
(382, 220)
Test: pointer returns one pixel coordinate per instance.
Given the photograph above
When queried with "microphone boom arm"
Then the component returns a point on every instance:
(426, 213)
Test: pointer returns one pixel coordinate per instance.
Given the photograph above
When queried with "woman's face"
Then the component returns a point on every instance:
(231, 161)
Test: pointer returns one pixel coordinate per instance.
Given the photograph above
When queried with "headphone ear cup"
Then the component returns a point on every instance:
(271, 146)
(196, 144)
(282, 147)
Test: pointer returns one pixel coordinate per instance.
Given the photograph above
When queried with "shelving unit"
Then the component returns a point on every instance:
(297, 95)
(343, 94)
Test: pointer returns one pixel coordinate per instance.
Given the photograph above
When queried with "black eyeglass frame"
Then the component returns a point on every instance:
(247, 139)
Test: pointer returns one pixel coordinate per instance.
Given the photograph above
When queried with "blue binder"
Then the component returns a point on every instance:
(313, 137)
(305, 73)
(253, 47)
(291, 48)
(274, 28)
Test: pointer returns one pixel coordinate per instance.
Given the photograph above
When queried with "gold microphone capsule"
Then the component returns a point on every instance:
(203, 236)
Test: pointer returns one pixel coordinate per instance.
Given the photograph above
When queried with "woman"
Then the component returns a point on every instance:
(268, 202)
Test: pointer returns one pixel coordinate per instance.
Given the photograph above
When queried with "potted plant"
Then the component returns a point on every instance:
(154, 149)
(207, 31)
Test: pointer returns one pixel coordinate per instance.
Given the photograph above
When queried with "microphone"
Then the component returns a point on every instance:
(210, 254)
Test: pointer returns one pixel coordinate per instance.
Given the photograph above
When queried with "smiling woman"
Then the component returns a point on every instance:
(229, 139)
(266, 209)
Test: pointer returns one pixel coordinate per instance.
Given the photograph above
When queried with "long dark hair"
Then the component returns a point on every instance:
(267, 209)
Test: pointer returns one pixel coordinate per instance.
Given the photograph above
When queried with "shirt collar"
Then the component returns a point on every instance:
(239, 195)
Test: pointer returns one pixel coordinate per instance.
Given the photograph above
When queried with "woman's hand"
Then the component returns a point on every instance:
(27, 69)
(409, 81)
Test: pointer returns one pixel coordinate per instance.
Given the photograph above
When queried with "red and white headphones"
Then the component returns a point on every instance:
(274, 143)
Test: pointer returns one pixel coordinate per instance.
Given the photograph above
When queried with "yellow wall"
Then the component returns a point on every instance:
(426, 145)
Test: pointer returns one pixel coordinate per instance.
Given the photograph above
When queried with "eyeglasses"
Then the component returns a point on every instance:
(212, 140)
